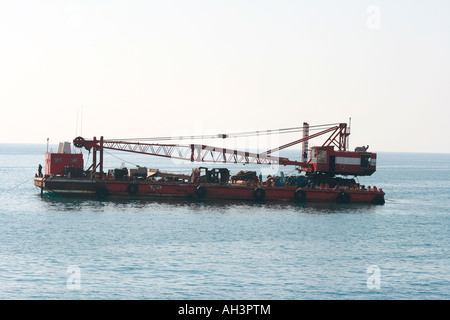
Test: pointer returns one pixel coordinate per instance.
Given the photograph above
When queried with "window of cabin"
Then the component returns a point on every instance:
(365, 161)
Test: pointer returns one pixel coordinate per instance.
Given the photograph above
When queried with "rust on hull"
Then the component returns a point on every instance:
(251, 191)
(325, 176)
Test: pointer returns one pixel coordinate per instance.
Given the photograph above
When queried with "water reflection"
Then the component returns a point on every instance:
(55, 202)
(209, 206)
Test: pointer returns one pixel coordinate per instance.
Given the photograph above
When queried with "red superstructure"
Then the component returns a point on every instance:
(63, 162)
(357, 163)
(319, 183)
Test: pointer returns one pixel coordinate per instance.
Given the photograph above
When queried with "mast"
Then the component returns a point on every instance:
(305, 142)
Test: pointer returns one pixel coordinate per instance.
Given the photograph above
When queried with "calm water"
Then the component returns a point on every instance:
(56, 248)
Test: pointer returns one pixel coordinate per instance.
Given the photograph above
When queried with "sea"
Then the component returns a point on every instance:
(55, 248)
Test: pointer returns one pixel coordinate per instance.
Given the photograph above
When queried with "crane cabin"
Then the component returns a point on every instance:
(327, 160)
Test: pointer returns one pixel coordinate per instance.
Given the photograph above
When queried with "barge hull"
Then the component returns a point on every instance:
(105, 188)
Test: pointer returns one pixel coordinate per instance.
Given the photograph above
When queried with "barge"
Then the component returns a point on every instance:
(326, 175)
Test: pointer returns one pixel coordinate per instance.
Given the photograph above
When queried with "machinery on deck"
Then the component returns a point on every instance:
(325, 161)
(328, 165)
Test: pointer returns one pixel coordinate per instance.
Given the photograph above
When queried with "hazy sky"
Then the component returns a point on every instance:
(157, 68)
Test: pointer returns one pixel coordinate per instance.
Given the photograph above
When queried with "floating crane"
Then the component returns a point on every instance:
(324, 159)
(325, 162)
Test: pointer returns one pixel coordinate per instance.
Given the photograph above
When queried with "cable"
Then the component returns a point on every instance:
(7, 190)
(89, 155)
(121, 158)
(230, 135)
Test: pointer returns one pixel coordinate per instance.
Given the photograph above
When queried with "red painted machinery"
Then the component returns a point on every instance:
(325, 179)
(323, 160)
(63, 162)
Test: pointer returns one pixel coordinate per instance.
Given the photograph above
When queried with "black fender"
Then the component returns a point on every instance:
(133, 188)
(200, 191)
(300, 195)
(343, 197)
(101, 192)
(379, 199)
(259, 193)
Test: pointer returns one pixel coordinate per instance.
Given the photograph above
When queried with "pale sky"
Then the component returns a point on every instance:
(162, 68)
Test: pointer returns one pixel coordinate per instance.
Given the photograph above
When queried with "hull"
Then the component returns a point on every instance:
(229, 191)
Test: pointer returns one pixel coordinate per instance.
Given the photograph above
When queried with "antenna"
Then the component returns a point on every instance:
(81, 128)
(305, 142)
(76, 126)
(348, 136)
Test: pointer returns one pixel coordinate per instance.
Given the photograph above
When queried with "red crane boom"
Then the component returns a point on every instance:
(204, 153)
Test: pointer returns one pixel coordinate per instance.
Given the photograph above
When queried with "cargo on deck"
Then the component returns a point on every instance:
(323, 176)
